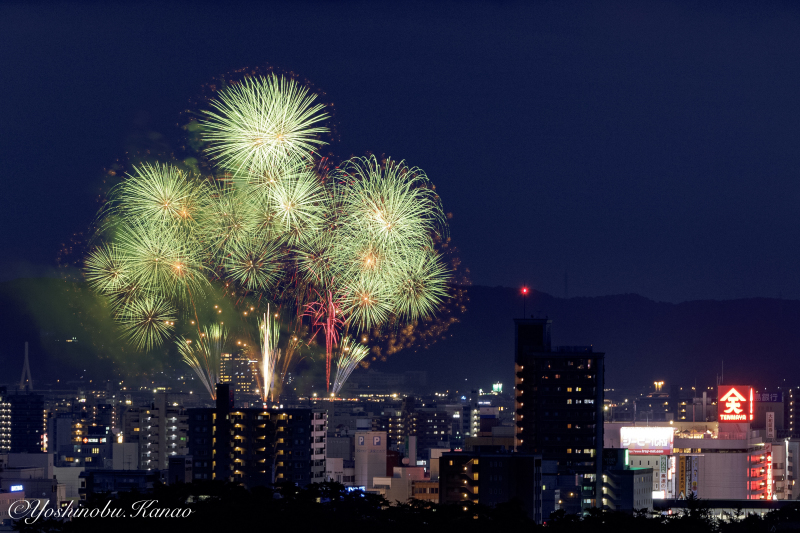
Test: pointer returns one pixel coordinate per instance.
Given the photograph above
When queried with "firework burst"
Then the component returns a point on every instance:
(263, 121)
(160, 194)
(347, 249)
(106, 271)
(147, 322)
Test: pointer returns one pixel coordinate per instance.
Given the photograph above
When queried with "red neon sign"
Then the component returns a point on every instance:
(769, 476)
(735, 403)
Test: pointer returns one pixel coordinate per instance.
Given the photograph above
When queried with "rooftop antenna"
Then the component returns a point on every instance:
(24, 384)
(524, 300)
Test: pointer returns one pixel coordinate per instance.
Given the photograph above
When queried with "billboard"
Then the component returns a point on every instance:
(646, 441)
(735, 403)
(770, 425)
(769, 397)
(768, 450)
(662, 474)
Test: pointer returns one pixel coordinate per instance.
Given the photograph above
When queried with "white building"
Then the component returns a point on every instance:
(370, 460)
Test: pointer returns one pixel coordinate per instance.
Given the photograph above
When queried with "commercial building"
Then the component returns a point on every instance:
(723, 460)
(399, 487)
(370, 460)
(32, 473)
(7, 500)
(559, 409)
(341, 471)
(626, 488)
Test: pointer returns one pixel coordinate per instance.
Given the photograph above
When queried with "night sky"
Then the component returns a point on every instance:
(633, 147)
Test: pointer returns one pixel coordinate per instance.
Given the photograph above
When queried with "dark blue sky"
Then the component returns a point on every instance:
(647, 147)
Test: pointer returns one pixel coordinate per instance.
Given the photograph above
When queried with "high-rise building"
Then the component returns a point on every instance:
(241, 373)
(257, 446)
(319, 436)
(161, 429)
(432, 426)
(788, 412)
(559, 408)
(5, 422)
(28, 422)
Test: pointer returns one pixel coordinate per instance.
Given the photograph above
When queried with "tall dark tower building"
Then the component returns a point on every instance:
(28, 422)
(559, 403)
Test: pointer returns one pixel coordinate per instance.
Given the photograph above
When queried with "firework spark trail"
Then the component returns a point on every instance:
(325, 315)
(351, 354)
(269, 334)
(204, 355)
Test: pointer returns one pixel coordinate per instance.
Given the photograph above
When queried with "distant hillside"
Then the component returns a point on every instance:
(758, 338)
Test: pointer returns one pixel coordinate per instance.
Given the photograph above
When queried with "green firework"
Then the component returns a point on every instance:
(147, 322)
(263, 121)
(354, 244)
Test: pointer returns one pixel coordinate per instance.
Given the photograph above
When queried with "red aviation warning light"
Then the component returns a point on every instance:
(735, 403)
(524, 292)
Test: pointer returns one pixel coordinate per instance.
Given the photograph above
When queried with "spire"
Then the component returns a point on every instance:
(26, 384)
